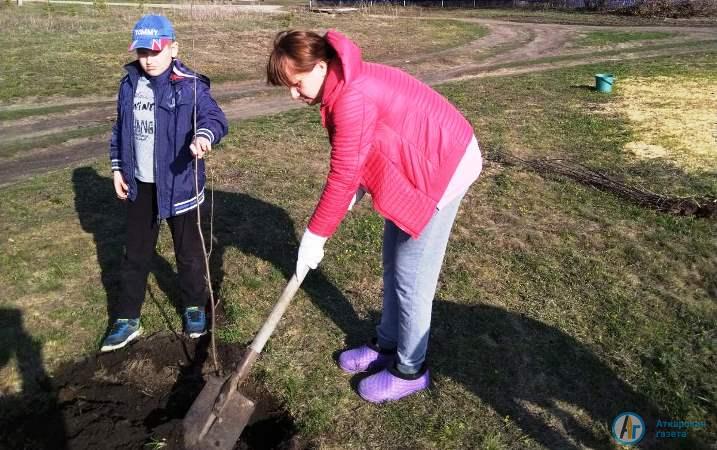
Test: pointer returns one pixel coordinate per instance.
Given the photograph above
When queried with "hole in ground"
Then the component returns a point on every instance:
(135, 397)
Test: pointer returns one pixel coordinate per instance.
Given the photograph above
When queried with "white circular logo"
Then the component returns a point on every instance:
(628, 428)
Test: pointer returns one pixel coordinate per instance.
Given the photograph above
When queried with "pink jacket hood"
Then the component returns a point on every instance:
(350, 60)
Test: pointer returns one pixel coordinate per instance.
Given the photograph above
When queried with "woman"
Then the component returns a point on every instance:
(401, 141)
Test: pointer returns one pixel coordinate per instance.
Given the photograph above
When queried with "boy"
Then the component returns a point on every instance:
(151, 152)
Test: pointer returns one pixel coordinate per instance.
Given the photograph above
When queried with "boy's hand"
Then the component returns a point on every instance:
(199, 146)
(121, 188)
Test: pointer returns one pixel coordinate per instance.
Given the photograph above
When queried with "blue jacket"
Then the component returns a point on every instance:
(173, 122)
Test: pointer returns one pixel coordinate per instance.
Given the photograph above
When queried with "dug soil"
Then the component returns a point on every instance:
(133, 398)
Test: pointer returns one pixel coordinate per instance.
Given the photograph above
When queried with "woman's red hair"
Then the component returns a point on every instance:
(296, 52)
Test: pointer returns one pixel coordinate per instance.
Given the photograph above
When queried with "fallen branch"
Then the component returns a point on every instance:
(682, 206)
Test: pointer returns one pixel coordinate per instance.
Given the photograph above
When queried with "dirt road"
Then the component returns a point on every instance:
(510, 48)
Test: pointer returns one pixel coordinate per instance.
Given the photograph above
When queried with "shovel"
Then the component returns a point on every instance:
(220, 412)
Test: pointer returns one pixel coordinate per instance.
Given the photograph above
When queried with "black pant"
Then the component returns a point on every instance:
(142, 233)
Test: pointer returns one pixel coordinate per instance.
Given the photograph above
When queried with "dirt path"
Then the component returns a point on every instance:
(510, 48)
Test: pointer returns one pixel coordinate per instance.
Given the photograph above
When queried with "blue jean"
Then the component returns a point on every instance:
(410, 275)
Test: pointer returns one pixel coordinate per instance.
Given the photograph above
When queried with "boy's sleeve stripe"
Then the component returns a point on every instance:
(206, 132)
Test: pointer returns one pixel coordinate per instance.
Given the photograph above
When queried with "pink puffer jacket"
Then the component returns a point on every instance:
(391, 134)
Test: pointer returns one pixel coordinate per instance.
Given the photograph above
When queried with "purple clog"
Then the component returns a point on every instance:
(368, 357)
(390, 385)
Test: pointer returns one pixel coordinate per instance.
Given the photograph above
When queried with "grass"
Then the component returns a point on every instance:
(596, 139)
(12, 148)
(559, 306)
(602, 38)
(567, 17)
(76, 50)
(698, 46)
(155, 444)
(687, 139)
(19, 113)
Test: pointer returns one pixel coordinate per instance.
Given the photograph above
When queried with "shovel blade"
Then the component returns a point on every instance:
(203, 430)
(227, 428)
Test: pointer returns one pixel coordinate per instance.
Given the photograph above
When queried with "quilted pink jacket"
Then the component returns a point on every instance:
(390, 134)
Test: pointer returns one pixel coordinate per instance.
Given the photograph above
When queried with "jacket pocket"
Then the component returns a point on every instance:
(409, 159)
(394, 195)
(184, 197)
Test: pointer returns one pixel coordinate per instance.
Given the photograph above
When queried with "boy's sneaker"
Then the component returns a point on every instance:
(195, 322)
(368, 357)
(390, 385)
(123, 331)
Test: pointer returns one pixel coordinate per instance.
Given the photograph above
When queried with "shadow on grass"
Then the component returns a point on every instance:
(266, 231)
(38, 396)
(547, 382)
(105, 217)
(248, 224)
(584, 87)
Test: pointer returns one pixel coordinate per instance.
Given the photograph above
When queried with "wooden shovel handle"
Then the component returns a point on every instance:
(268, 328)
(244, 367)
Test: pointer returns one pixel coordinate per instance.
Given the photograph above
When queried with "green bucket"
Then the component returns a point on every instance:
(603, 82)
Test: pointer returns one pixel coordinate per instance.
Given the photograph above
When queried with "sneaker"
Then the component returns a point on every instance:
(123, 331)
(368, 357)
(195, 322)
(391, 385)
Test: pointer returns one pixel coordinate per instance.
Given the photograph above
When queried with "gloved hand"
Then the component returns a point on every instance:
(311, 252)
(357, 198)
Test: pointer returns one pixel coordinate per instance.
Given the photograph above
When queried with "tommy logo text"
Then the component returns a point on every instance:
(146, 32)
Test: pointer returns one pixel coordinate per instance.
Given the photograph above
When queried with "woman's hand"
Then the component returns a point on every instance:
(311, 252)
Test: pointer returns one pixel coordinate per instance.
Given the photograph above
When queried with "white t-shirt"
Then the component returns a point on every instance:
(466, 173)
(144, 131)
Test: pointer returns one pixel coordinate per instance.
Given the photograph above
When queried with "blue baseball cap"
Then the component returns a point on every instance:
(153, 32)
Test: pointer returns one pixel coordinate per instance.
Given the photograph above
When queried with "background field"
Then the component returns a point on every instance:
(559, 306)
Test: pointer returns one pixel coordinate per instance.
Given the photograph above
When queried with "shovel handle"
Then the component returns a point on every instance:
(268, 328)
(257, 345)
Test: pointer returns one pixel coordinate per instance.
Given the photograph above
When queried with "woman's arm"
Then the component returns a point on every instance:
(353, 121)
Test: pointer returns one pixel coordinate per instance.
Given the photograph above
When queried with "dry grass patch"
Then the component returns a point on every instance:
(673, 118)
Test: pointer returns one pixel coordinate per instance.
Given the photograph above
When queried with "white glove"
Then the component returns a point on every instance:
(357, 197)
(311, 252)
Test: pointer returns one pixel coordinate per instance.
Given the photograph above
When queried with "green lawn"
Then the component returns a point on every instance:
(559, 306)
(568, 17)
(602, 38)
(80, 50)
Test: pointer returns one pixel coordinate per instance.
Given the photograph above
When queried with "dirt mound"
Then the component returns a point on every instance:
(131, 399)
